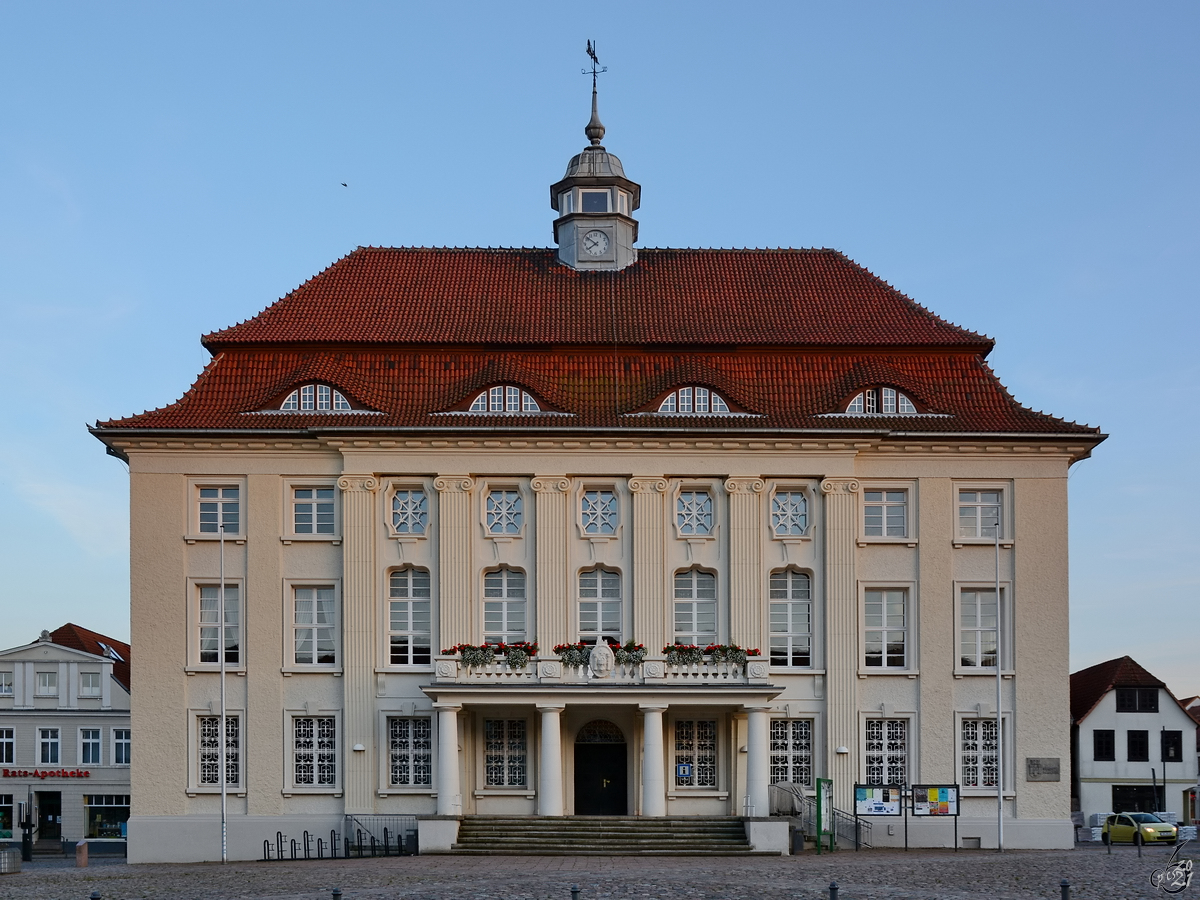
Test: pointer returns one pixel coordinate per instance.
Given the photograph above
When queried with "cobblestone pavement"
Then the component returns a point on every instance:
(868, 875)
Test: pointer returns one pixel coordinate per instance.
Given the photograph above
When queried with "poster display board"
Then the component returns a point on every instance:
(878, 800)
(825, 812)
(935, 799)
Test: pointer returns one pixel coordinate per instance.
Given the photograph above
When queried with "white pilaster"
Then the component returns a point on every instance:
(758, 760)
(654, 785)
(550, 776)
(651, 614)
(551, 525)
(456, 624)
(449, 788)
(842, 649)
(746, 622)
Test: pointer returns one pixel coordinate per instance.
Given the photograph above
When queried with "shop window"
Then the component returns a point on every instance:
(106, 815)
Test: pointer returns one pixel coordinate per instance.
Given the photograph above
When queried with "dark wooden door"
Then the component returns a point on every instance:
(601, 782)
(49, 815)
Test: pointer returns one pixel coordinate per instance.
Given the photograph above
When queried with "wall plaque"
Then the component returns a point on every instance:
(1042, 768)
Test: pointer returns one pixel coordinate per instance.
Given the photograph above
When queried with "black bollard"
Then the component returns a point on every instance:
(1065, 887)
(95, 895)
(574, 892)
(833, 890)
(337, 894)
(1137, 839)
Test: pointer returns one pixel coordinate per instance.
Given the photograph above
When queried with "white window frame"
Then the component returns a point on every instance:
(1009, 759)
(118, 737)
(694, 600)
(290, 626)
(909, 746)
(6, 684)
(408, 632)
(594, 637)
(99, 692)
(395, 709)
(911, 628)
(8, 746)
(581, 519)
(783, 750)
(505, 400)
(407, 488)
(47, 739)
(881, 400)
(719, 789)
(717, 510)
(528, 789)
(98, 745)
(310, 397)
(214, 711)
(507, 605)
(291, 717)
(193, 605)
(1006, 628)
(42, 686)
(810, 509)
(1005, 488)
(288, 533)
(504, 488)
(390, 786)
(607, 192)
(909, 538)
(789, 602)
(192, 532)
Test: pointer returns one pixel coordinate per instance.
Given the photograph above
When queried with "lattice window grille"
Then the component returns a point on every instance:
(979, 753)
(789, 513)
(694, 512)
(410, 512)
(887, 751)
(410, 751)
(505, 753)
(598, 509)
(210, 750)
(315, 750)
(505, 512)
(696, 743)
(791, 751)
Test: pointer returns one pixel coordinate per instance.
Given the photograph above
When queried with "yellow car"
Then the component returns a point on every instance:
(1130, 828)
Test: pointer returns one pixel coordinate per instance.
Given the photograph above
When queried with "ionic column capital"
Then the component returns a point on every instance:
(842, 485)
(550, 484)
(550, 707)
(739, 485)
(648, 484)
(367, 483)
(453, 484)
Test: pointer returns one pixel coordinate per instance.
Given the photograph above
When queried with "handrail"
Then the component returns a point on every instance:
(846, 826)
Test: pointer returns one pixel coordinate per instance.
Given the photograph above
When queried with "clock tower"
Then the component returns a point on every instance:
(595, 229)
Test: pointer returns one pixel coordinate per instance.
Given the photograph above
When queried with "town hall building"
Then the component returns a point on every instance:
(747, 504)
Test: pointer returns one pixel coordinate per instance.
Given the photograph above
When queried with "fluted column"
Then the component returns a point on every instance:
(550, 774)
(745, 562)
(358, 645)
(654, 784)
(650, 607)
(456, 624)
(841, 629)
(552, 523)
(449, 788)
(758, 762)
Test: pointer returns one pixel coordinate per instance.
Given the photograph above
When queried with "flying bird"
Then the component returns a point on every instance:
(344, 184)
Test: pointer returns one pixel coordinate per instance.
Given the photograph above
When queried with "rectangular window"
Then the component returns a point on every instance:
(791, 619)
(314, 750)
(220, 507)
(600, 606)
(312, 510)
(504, 606)
(1104, 745)
(598, 512)
(212, 627)
(410, 751)
(885, 513)
(47, 684)
(8, 746)
(122, 745)
(595, 201)
(89, 684)
(978, 623)
(505, 753)
(791, 751)
(505, 512)
(694, 512)
(6, 817)
(105, 815)
(1172, 746)
(6, 684)
(979, 514)
(695, 608)
(1137, 700)
(409, 626)
(696, 753)
(315, 625)
(789, 513)
(979, 748)
(1138, 746)
(886, 632)
(89, 746)
(887, 751)
(48, 746)
(209, 767)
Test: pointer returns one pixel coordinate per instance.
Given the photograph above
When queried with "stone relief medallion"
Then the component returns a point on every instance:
(445, 669)
(653, 670)
(549, 670)
(758, 670)
(601, 662)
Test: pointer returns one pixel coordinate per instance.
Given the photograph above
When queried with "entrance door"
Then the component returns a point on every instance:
(601, 766)
(49, 815)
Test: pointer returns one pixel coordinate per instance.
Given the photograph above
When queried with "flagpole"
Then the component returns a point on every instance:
(221, 641)
(999, 702)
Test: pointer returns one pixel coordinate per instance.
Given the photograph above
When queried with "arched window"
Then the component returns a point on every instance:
(883, 401)
(504, 398)
(695, 607)
(791, 618)
(504, 606)
(694, 401)
(599, 606)
(316, 396)
(409, 625)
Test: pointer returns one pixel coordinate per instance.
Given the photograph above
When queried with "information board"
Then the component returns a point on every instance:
(878, 800)
(935, 799)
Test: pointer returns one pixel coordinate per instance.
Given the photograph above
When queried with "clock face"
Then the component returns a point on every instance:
(595, 243)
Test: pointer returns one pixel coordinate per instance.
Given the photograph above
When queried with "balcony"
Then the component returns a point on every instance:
(651, 672)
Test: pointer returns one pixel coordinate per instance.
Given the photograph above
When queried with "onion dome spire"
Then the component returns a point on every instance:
(595, 128)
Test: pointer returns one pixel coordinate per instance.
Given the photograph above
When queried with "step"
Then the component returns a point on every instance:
(602, 836)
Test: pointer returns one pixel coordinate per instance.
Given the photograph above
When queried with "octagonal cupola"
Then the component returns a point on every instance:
(595, 229)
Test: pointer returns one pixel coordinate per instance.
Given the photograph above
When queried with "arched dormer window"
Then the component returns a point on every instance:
(881, 401)
(316, 396)
(694, 401)
(504, 398)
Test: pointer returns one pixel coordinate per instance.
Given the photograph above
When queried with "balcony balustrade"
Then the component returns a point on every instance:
(653, 672)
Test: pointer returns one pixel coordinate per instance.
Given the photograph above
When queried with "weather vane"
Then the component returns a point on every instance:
(596, 68)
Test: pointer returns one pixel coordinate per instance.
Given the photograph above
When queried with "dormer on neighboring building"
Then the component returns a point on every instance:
(70, 668)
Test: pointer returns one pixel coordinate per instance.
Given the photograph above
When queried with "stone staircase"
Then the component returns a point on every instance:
(602, 836)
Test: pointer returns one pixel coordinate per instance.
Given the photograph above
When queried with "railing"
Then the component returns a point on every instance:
(789, 799)
(450, 670)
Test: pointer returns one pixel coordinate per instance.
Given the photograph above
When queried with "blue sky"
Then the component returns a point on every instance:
(1026, 170)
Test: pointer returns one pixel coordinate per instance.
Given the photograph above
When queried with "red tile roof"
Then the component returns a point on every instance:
(1090, 684)
(519, 297)
(79, 638)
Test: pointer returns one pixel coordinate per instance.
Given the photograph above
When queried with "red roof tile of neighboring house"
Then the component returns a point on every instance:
(79, 638)
(1090, 684)
(519, 297)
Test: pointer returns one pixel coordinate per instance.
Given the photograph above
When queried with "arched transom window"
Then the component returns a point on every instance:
(504, 398)
(316, 396)
(881, 401)
(694, 400)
